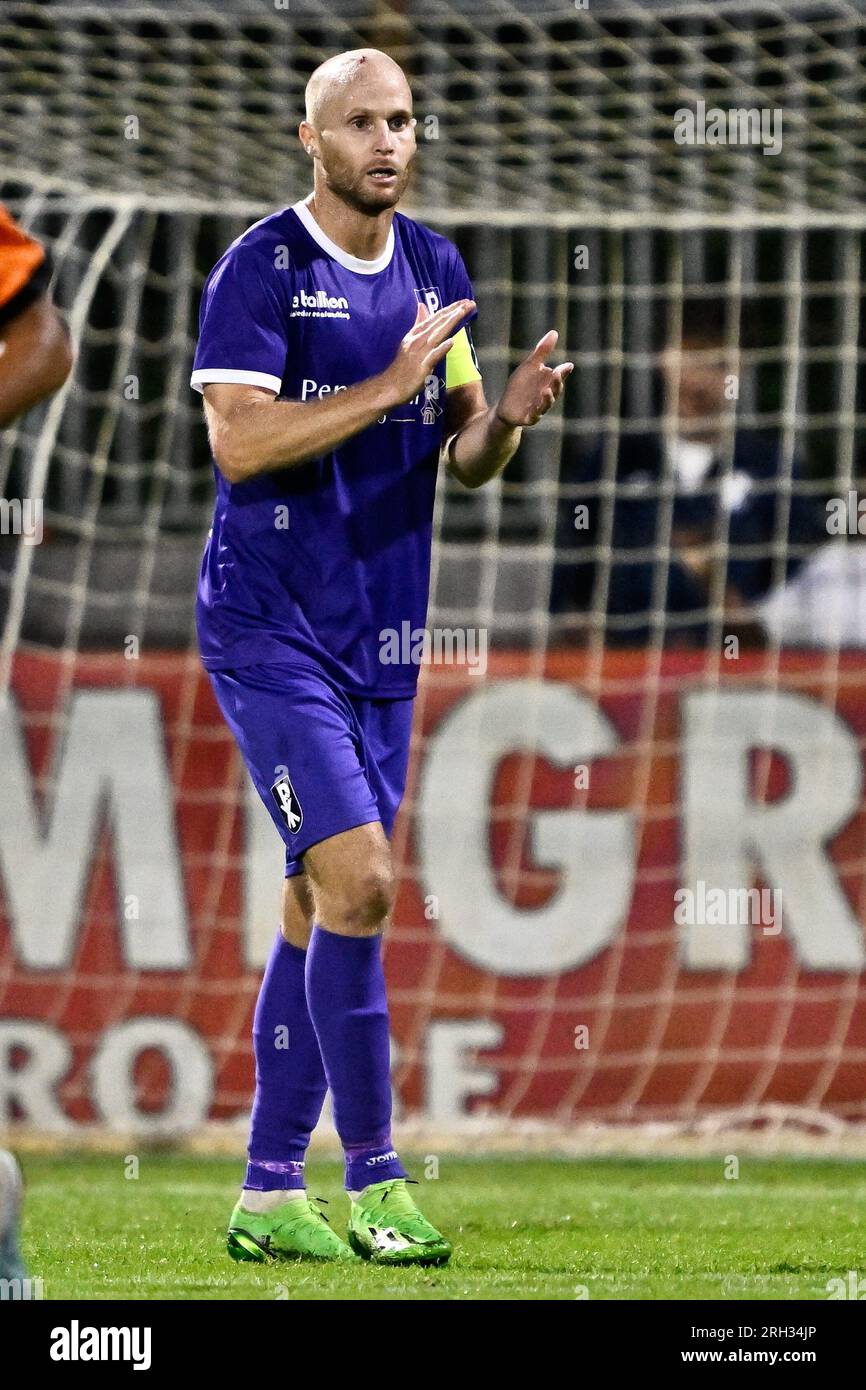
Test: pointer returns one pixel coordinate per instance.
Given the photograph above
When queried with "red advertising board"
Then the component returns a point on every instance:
(630, 888)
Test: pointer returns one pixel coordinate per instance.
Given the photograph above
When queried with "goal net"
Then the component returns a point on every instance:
(631, 855)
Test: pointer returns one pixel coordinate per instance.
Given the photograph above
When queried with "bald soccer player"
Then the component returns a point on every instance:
(335, 361)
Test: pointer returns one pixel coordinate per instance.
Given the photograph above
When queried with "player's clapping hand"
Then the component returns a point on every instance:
(532, 387)
(424, 345)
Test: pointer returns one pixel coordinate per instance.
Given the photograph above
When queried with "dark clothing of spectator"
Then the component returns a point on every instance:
(746, 509)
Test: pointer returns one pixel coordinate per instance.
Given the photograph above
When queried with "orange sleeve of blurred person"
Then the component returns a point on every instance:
(21, 257)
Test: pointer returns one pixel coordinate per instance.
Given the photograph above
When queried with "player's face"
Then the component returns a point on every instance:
(697, 377)
(368, 145)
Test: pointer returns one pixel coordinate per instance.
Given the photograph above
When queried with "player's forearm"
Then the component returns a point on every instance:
(482, 448)
(264, 435)
(36, 357)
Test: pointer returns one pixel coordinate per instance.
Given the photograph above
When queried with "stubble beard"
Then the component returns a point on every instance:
(349, 190)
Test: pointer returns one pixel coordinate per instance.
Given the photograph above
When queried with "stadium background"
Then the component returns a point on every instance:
(139, 876)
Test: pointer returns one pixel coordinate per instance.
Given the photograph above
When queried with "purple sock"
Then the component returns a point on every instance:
(290, 1078)
(346, 998)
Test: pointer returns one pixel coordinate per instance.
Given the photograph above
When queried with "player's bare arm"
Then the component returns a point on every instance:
(36, 357)
(482, 438)
(252, 432)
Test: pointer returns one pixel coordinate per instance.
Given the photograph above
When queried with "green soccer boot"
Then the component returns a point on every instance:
(386, 1226)
(295, 1230)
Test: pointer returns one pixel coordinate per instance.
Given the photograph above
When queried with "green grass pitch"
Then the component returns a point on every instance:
(529, 1228)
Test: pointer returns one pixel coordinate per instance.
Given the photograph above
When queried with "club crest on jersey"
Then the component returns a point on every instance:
(288, 804)
(430, 297)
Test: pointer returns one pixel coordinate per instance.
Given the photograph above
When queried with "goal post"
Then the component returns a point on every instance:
(585, 775)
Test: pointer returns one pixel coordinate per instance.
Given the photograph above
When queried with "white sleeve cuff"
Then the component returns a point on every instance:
(234, 376)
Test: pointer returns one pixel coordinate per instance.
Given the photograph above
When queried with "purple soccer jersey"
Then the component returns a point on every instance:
(310, 565)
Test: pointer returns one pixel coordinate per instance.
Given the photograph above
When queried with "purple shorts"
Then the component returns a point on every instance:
(322, 761)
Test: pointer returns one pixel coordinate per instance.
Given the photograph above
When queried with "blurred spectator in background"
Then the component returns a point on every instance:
(36, 354)
(727, 519)
(824, 603)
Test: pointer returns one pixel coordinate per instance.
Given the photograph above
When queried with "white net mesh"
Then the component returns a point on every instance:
(137, 142)
(527, 107)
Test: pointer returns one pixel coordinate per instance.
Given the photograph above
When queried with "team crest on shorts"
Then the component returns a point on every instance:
(288, 804)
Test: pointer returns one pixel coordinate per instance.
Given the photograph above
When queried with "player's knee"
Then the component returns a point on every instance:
(367, 899)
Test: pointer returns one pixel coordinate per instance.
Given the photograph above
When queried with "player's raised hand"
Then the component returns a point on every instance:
(426, 343)
(533, 387)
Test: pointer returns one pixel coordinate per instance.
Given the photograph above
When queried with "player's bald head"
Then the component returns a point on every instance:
(336, 82)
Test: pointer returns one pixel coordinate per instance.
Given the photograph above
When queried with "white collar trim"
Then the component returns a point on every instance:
(344, 258)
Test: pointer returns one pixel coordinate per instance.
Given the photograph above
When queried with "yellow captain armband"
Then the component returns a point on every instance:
(460, 363)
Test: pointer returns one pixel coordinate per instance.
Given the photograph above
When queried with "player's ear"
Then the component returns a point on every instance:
(305, 135)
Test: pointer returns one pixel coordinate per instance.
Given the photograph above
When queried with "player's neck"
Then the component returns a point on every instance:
(358, 233)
